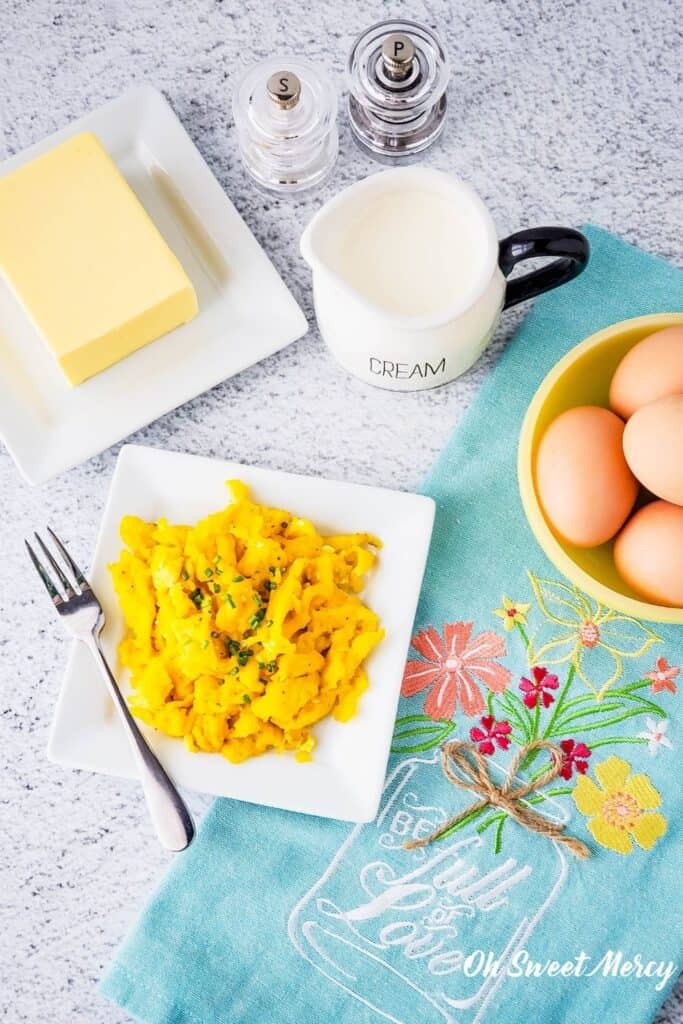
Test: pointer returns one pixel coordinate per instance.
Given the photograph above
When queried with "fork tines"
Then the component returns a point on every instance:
(59, 586)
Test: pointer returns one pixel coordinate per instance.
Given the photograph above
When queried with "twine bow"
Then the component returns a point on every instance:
(466, 768)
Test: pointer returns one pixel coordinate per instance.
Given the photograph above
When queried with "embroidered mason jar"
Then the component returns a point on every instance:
(425, 936)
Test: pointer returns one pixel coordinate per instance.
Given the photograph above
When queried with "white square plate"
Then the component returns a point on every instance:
(245, 309)
(344, 779)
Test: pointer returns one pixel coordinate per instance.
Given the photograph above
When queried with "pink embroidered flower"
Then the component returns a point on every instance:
(452, 666)
(663, 676)
(537, 688)
(573, 758)
(492, 733)
(589, 634)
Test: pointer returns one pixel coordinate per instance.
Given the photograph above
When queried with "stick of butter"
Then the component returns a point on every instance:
(85, 260)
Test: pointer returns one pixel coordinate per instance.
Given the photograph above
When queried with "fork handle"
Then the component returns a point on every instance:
(170, 817)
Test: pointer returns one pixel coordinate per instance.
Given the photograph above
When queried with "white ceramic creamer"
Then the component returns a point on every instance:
(409, 279)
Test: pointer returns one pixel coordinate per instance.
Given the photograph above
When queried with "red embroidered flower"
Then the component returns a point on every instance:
(490, 734)
(573, 758)
(538, 688)
(663, 676)
(452, 666)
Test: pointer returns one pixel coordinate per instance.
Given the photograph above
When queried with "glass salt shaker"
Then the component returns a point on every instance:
(397, 75)
(285, 111)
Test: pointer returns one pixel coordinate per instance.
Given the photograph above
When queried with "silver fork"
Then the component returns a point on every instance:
(82, 614)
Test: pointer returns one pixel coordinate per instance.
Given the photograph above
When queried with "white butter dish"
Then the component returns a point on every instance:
(245, 310)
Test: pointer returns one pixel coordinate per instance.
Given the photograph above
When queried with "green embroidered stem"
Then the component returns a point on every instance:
(558, 705)
(629, 692)
(529, 760)
(601, 725)
(649, 704)
(523, 633)
(617, 739)
(515, 709)
(640, 685)
(562, 791)
(461, 824)
(433, 733)
(585, 698)
(560, 701)
(498, 835)
(490, 821)
(538, 772)
(563, 721)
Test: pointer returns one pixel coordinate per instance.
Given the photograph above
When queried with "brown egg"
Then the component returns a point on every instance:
(584, 484)
(653, 368)
(648, 553)
(653, 446)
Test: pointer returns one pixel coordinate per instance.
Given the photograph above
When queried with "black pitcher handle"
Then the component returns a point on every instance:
(570, 246)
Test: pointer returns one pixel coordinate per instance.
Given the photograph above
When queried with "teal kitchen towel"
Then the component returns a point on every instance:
(275, 917)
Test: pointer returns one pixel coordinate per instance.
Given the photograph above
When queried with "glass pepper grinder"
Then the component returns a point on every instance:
(285, 112)
(397, 75)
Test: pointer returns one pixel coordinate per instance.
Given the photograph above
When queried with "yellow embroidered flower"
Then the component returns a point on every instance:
(594, 638)
(511, 613)
(622, 809)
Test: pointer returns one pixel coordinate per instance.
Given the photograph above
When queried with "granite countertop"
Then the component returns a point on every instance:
(560, 112)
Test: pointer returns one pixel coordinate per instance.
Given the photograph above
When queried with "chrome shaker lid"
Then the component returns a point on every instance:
(285, 111)
(397, 75)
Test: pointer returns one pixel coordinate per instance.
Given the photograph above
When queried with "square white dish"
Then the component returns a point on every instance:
(344, 779)
(245, 310)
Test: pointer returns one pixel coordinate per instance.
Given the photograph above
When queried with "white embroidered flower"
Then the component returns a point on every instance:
(655, 734)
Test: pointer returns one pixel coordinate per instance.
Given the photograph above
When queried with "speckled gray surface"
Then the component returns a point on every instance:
(560, 112)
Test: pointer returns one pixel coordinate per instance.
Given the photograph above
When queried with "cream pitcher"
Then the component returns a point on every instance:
(409, 279)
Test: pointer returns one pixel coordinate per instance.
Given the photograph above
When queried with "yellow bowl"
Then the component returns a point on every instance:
(583, 378)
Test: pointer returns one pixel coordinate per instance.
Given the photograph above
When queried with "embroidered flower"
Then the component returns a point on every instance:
(490, 734)
(451, 667)
(595, 639)
(512, 613)
(655, 734)
(574, 757)
(663, 676)
(622, 809)
(537, 689)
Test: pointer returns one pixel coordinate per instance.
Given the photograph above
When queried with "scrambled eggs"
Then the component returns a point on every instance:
(245, 630)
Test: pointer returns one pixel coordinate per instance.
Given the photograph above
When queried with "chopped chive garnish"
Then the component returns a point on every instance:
(271, 666)
(233, 647)
(256, 619)
(185, 574)
(244, 656)
(237, 579)
(246, 699)
(228, 598)
(208, 573)
(270, 585)
(257, 599)
(234, 671)
(269, 622)
(271, 570)
(216, 588)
